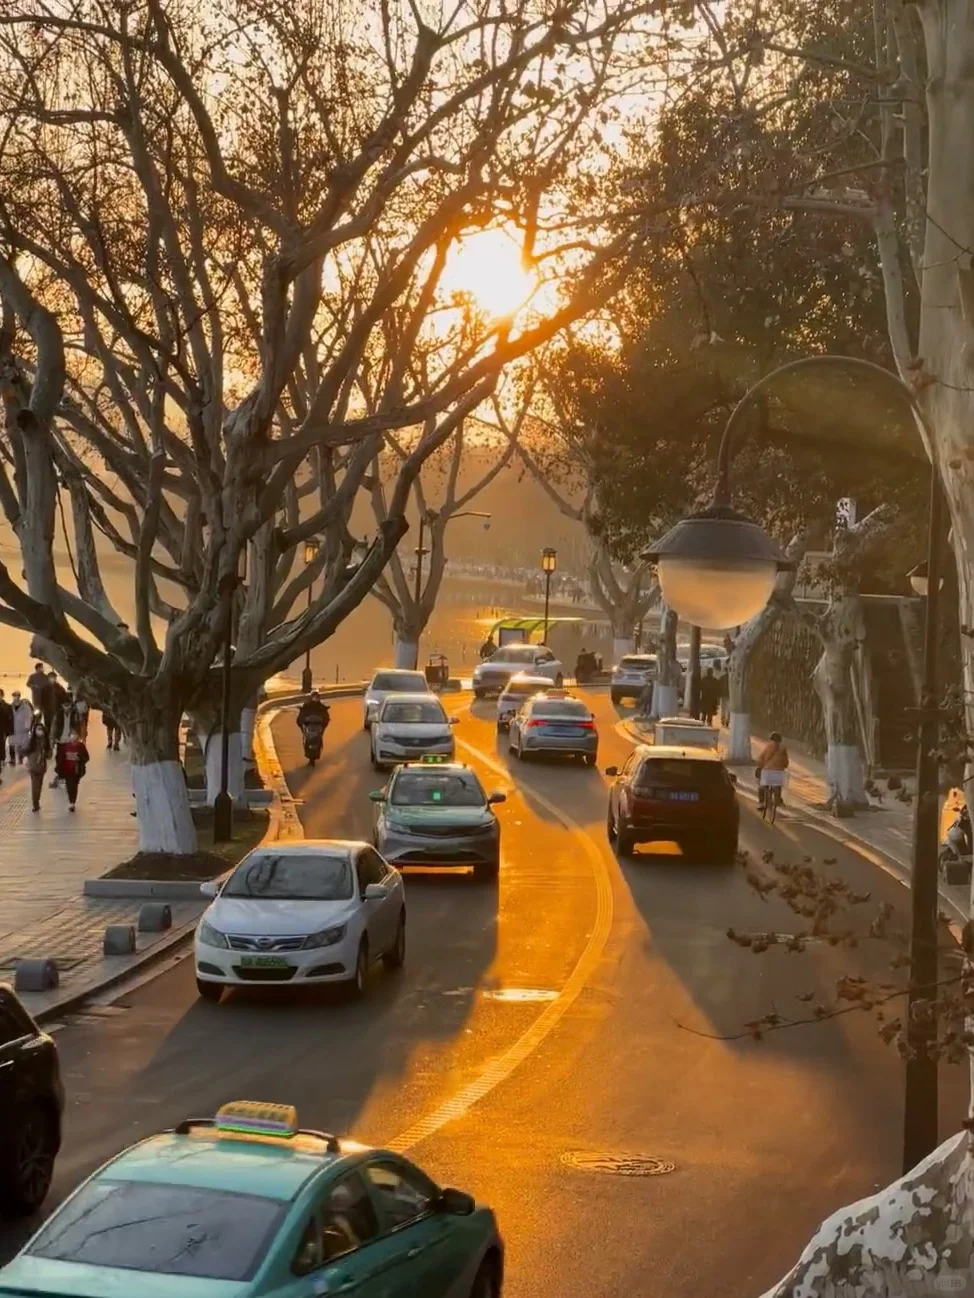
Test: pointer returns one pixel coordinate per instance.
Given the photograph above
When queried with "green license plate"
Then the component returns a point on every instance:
(263, 962)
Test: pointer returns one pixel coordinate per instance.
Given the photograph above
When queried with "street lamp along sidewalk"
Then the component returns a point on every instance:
(223, 803)
(549, 564)
(311, 548)
(717, 569)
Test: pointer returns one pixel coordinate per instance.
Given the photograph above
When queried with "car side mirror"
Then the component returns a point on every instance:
(373, 892)
(732, 777)
(377, 795)
(210, 889)
(456, 1203)
(454, 721)
(495, 798)
(612, 770)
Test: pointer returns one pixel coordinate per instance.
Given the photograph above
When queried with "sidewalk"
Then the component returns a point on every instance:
(886, 829)
(44, 861)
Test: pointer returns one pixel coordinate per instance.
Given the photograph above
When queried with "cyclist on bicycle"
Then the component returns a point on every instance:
(774, 757)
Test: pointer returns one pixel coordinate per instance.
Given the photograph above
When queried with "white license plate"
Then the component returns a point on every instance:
(264, 962)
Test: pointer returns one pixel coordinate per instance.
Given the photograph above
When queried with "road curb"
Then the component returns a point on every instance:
(900, 868)
(143, 889)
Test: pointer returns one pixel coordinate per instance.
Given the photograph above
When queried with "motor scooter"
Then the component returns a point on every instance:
(313, 732)
(955, 850)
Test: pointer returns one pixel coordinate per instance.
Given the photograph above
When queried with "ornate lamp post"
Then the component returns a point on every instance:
(718, 569)
(311, 548)
(549, 563)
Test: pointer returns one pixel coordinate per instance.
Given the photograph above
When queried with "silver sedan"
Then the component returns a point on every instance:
(554, 723)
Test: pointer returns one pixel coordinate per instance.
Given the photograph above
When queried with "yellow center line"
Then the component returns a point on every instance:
(500, 1069)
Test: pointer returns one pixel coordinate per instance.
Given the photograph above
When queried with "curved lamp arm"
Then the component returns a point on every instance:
(722, 492)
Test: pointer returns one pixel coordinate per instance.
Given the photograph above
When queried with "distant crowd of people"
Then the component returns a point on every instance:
(50, 724)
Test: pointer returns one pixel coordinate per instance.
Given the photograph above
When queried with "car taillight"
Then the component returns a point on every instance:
(536, 723)
(586, 725)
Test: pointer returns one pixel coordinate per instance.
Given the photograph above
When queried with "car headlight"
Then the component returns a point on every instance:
(210, 936)
(327, 937)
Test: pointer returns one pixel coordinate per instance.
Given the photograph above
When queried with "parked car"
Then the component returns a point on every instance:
(492, 675)
(32, 1104)
(315, 911)
(407, 726)
(685, 795)
(630, 676)
(248, 1203)
(390, 680)
(554, 723)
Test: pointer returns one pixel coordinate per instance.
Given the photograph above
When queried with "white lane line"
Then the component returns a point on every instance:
(499, 1069)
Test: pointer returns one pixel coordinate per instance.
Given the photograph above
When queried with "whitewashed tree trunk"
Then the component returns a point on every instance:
(161, 797)
(915, 1237)
(621, 645)
(406, 653)
(212, 745)
(833, 683)
(739, 736)
(666, 694)
(248, 719)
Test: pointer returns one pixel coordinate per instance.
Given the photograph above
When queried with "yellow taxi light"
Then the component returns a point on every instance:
(257, 1118)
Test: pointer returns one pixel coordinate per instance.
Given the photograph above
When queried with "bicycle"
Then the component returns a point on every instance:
(771, 782)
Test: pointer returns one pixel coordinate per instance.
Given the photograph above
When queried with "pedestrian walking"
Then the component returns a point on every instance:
(23, 715)
(112, 729)
(65, 725)
(709, 696)
(72, 761)
(82, 709)
(53, 701)
(6, 730)
(723, 696)
(35, 753)
(37, 684)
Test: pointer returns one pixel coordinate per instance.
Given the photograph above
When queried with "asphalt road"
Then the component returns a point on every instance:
(571, 1011)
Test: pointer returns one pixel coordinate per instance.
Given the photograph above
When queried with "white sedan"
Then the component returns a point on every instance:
(315, 911)
(492, 675)
(514, 694)
(391, 680)
(408, 727)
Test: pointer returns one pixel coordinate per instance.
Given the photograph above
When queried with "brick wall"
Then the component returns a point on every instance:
(782, 696)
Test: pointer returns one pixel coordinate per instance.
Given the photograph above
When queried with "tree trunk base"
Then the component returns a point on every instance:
(621, 645)
(914, 1239)
(407, 654)
(162, 806)
(213, 749)
(739, 746)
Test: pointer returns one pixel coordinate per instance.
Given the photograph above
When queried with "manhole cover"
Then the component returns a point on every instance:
(618, 1164)
(521, 994)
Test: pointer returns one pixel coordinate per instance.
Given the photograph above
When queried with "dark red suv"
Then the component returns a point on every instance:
(685, 795)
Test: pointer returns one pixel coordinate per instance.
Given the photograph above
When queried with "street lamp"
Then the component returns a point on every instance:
(311, 548)
(549, 562)
(223, 803)
(421, 550)
(717, 569)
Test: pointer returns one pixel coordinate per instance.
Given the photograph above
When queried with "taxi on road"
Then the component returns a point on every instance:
(247, 1204)
(436, 813)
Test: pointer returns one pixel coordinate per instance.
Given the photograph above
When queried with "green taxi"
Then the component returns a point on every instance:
(249, 1204)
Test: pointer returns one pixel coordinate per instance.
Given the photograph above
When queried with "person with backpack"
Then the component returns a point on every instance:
(72, 761)
(66, 724)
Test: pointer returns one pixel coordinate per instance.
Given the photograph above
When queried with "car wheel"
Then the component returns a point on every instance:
(625, 842)
(616, 697)
(27, 1162)
(395, 957)
(725, 850)
(486, 1283)
(589, 759)
(479, 694)
(610, 825)
(487, 871)
(356, 985)
(209, 991)
(559, 681)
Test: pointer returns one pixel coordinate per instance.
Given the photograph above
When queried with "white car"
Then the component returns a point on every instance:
(316, 911)
(630, 675)
(519, 688)
(390, 680)
(408, 727)
(492, 675)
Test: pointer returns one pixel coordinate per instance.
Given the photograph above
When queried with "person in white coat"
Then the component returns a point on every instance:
(23, 721)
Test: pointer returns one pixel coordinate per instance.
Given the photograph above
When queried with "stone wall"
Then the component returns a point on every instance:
(782, 696)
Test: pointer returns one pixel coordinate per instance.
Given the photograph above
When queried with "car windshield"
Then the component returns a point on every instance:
(560, 708)
(282, 877)
(527, 687)
(440, 789)
(679, 771)
(163, 1229)
(426, 714)
(515, 653)
(637, 664)
(400, 682)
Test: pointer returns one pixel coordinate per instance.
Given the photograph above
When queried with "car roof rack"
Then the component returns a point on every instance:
(187, 1125)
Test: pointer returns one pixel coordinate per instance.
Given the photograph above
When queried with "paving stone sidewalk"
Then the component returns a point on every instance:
(45, 858)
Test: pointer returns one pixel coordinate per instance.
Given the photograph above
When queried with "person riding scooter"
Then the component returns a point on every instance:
(313, 718)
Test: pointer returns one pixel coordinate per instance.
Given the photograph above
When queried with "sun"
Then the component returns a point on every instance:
(487, 265)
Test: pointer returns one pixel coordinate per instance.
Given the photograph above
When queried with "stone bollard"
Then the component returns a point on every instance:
(119, 939)
(154, 917)
(36, 974)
